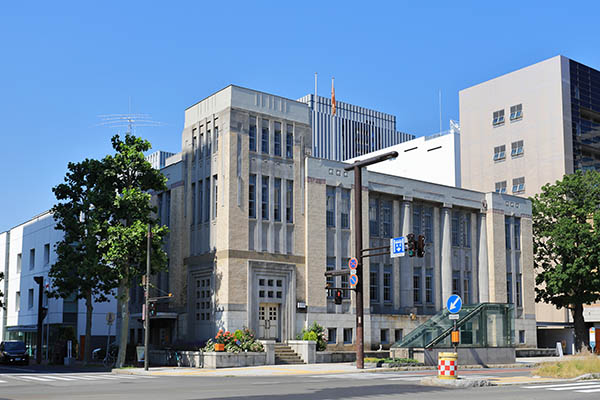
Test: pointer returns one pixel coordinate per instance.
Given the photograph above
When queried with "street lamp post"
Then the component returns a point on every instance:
(357, 168)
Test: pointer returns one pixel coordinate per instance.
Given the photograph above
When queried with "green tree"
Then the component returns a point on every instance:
(566, 242)
(81, 214)
(132, 179)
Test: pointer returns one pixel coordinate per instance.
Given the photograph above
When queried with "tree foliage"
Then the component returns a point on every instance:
(132, 179)
(566, 217)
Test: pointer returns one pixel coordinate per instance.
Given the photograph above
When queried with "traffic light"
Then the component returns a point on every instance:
(338, 296)
(152, 309)
(411, 244)
(421, 246)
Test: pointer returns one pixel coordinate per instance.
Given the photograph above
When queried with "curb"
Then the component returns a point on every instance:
(434, 367)
(550, 380)
(455, 383)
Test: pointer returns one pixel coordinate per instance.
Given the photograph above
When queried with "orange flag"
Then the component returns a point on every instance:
(332, 98)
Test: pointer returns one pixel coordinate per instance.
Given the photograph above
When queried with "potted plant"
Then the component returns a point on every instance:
(221, 339)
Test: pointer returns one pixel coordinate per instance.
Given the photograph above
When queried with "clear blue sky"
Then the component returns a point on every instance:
(63, 64)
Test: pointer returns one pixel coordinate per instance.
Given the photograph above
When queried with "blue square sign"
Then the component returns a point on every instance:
(398, 246)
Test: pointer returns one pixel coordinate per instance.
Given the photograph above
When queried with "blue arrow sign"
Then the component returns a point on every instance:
(454, 303)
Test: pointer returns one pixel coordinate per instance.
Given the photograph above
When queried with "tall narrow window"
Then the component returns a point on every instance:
(518, 290)
(277, 199)
(264, 197)
(17, 301)
(455, 230)
(429, 286)
(200, 200)
(417, 285)
(517, 229)
(374, 217)
(201, 142)
(32, 259)
(386, 210)
(47, 254)
(509, 296)
(507, 232)
(345, 211)
(374, 283)
(456, 282)
(193, 219)
(252, 196)
(428, 224)
(216, 196)
(264, 147)
(216, 146)
(289, 201)
(387, 284)
(330, 216)
(277, 139)
(289, 141)
(206, 199)
(417, 210)
(30, 299)
(19, 257)
(194, 144)
(208, 140)
(252, 134)
(467, 288)
(467, 230)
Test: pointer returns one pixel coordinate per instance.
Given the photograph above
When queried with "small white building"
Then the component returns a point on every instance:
(27, 251)
(434, 158)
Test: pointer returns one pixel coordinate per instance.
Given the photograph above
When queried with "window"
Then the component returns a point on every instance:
(289, 201)
(386, 208)
(206, 199)
(193, 219)
(347, 335)
(509, 296)
(208, 139)
(518, 185)
(455, 230)
(194, 140)
(467, 288)
(277, 199)
(30, 299)
(19, 257)
(522, 337)
(47, 254)
(383, 336)
(374, 283)
(264, 197)
(498, 117)
(397, 335)
(417, 285)
(374, 217)
(467, 233)
(516, 112)
(387, 284)
(345, 212)
(429, 286)
(428, 222)
(501, 187)
(216, 197)
(200, 200)
(330, 280)
(417, 220)
(507, 232)
(456, 282)
(32, 259)
(330, 215)
(252, 196)
(289, 141)
(18, 301)
(216, 146)
(252, 134)
(264, 146)
(332, 335)
(516, 148)
(277, 139)
(518, 290)
(500, 153)
(517, 229)
(201, 142)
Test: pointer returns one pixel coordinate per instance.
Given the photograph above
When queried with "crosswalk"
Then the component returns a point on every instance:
(68, 378)
(578, 387)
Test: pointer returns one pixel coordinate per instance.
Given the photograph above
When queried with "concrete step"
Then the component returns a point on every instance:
(285, 355)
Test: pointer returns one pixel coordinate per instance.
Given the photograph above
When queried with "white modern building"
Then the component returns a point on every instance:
(28, 251)
(158, 158)
(350, 132)
(434, 158)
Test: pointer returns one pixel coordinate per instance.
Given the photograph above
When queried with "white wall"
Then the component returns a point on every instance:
(433, 159)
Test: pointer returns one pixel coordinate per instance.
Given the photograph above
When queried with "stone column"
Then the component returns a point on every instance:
(406, 282)
(446, 254)
(482, 262)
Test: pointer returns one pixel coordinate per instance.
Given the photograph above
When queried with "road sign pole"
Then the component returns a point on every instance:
(360, 351)
(147, 319)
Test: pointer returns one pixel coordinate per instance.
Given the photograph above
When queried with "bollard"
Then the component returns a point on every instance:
(447, 365)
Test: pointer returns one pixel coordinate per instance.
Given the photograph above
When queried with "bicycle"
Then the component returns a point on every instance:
(173, 358)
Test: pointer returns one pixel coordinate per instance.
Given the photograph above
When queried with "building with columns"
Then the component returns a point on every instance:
(255, 221)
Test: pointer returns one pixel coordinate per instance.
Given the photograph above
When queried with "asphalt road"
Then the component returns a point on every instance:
(16, 383)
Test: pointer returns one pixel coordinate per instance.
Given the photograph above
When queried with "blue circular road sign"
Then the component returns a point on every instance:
(454, 303)
(353, 263)
(353, 280)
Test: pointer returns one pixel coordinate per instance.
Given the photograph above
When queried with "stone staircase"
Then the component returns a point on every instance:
(285, 355)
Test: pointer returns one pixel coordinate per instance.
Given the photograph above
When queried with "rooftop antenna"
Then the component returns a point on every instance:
(129, 120)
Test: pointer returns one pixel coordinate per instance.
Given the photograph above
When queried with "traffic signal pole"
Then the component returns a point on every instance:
(357, 168)
(40, 318)
(147, 313)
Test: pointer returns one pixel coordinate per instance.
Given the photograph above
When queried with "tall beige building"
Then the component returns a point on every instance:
(255, 222)
(528, 128)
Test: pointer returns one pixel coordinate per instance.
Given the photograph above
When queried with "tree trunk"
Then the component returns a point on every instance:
(124, 298)
(581, 337)
(89, 305)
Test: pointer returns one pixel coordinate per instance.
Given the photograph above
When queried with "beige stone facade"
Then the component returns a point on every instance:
(254, 227)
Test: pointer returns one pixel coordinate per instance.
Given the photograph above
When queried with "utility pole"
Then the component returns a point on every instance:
(357, 168)
(147, 314)
(38, 353)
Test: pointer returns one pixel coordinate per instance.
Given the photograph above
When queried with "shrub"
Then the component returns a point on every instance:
(310, 336)
(319, 335)
(239, 341)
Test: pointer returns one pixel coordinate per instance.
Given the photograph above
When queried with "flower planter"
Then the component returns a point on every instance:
(219, 346)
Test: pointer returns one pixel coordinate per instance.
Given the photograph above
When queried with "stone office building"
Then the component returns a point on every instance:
(256, 221)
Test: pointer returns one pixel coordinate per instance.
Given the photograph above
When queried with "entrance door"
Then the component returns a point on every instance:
(268, 321)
